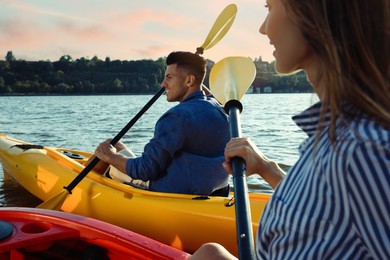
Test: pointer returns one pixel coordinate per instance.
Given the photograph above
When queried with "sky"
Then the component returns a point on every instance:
(127, 29)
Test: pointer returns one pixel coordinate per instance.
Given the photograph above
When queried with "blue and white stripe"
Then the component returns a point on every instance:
(334, 202)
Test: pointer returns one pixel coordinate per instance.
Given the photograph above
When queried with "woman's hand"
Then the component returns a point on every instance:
(255, 160)
(247, 150)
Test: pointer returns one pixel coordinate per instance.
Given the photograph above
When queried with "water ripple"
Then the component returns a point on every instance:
(82, 122)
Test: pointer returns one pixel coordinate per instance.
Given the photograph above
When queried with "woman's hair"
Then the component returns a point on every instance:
(192, 63)
(351, 40)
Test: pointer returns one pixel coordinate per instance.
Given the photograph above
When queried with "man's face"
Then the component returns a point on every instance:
(175, 83)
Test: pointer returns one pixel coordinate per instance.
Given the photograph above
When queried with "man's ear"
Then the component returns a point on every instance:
(190, 80)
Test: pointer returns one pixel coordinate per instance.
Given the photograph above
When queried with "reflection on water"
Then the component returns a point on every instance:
(12, 194)
(257, 185)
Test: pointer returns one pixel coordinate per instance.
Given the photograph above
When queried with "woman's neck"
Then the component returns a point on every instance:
(314, 77)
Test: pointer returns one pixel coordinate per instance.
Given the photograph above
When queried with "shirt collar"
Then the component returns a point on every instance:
(309, 119)
(195, 95)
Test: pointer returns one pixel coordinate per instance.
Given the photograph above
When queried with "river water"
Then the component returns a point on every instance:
(81, 122)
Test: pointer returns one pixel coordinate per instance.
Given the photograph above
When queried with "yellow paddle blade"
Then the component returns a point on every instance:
(55, 202)
(221, 26)
(231, 77)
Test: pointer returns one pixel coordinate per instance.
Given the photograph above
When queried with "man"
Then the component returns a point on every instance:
(186, 152)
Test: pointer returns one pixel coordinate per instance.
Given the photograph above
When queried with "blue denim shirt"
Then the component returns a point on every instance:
(186, 153)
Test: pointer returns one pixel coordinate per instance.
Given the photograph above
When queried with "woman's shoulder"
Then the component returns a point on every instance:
(366, 129)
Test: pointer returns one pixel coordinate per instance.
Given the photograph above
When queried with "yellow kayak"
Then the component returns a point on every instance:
(179, 220)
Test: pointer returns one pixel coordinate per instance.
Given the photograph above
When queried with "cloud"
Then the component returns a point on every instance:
(17, 33)
(20, 6)
(126, 29)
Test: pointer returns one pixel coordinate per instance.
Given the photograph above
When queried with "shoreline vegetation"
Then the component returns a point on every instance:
(94, 76)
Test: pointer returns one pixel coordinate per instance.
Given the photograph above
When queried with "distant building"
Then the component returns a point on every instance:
(264, 73)
(267, 89)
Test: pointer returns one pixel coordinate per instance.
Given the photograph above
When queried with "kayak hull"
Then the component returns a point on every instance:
(179, 220)
(45, 234)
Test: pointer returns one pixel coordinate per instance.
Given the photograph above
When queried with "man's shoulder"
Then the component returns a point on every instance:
(175, 113)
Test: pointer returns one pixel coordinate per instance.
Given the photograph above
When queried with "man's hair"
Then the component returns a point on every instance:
(192, 63)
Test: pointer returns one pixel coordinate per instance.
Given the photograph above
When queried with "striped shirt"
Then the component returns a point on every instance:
(334, 203)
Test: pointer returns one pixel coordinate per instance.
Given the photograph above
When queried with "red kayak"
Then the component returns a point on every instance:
(31, 233)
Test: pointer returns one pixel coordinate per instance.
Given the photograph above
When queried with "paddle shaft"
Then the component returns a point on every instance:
(246, 249)
(95, 161)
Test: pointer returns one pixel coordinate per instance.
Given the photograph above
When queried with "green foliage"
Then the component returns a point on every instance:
(10, 56)
(95, 76)
(80, 76)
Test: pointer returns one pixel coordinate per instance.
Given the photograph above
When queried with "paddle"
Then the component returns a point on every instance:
(220, 27)
(57, 201)
(230, 78)
(218, 30)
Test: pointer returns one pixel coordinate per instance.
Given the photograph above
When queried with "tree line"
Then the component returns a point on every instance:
(95, 76)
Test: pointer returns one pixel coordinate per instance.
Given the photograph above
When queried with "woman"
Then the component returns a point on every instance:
(334, 203)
